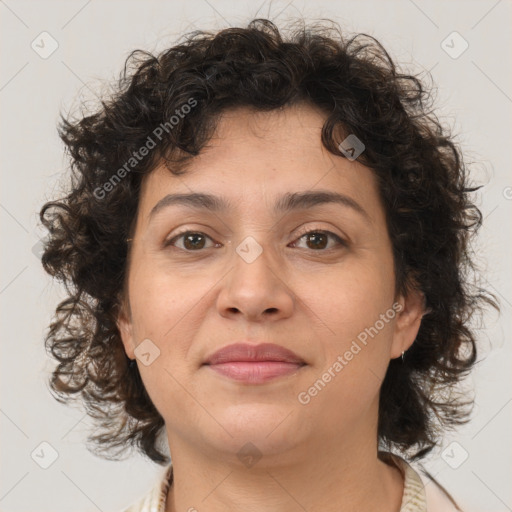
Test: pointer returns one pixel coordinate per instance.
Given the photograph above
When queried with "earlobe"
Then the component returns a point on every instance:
(408, 321)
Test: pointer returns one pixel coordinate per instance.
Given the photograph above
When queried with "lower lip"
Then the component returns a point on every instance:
(255, 372)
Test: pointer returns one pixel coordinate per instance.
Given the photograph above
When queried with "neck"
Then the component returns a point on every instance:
(321, 478)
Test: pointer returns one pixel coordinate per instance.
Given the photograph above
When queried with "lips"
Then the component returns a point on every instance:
(254, 363)
(243, 352)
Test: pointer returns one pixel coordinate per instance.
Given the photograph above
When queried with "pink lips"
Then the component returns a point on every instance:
(254, 363)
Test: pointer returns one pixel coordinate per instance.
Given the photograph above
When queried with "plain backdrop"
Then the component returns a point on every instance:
(88, 42)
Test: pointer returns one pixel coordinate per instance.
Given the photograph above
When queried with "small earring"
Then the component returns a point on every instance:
(129, 239)
(403, 355)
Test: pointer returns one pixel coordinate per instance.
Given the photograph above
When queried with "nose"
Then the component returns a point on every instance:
(255, 289)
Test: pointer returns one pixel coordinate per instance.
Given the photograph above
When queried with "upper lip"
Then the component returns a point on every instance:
(245, 352)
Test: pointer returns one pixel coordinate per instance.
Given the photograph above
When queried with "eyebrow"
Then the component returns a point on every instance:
(288, 202)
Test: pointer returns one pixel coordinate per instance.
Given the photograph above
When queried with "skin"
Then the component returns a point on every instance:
(314, 301)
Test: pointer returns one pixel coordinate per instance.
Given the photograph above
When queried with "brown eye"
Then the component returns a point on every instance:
(191, 241)
(194, 241)
(319, 239)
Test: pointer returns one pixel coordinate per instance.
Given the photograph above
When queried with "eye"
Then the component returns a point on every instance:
(192, 241)
(318, 239)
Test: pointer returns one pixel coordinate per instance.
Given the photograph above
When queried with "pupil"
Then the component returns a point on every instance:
(194, 245)
(312, 236)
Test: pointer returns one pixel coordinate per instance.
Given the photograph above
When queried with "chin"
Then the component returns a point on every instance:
(269, 427)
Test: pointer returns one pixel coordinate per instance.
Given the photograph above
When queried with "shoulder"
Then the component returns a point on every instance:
(422, 493)
(438, 498)
(154, 499)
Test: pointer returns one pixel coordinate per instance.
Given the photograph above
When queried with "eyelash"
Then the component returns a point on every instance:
(302, 234)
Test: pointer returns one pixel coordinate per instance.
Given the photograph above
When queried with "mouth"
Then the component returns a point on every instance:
(254, 364)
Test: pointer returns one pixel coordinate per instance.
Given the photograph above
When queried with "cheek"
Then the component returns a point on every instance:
(163, 311)
(356, 304)
(161, 299)
(172, 308)
(347, 379)
(352, 296)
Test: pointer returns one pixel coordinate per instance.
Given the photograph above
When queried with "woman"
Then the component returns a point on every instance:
(265, 246)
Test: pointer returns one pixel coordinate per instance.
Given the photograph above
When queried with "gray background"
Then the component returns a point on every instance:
(94, 37)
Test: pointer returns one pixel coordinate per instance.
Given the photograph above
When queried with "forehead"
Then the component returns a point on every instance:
(254, 157)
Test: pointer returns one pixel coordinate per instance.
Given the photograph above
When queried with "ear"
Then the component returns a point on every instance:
(124, 324)
(408, 321)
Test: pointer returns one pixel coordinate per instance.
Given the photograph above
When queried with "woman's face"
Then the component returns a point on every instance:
(248, 273)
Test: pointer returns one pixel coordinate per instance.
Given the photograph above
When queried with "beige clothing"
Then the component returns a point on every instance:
(420, 493)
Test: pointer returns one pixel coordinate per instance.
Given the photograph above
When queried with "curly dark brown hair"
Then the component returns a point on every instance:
(422, 178)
